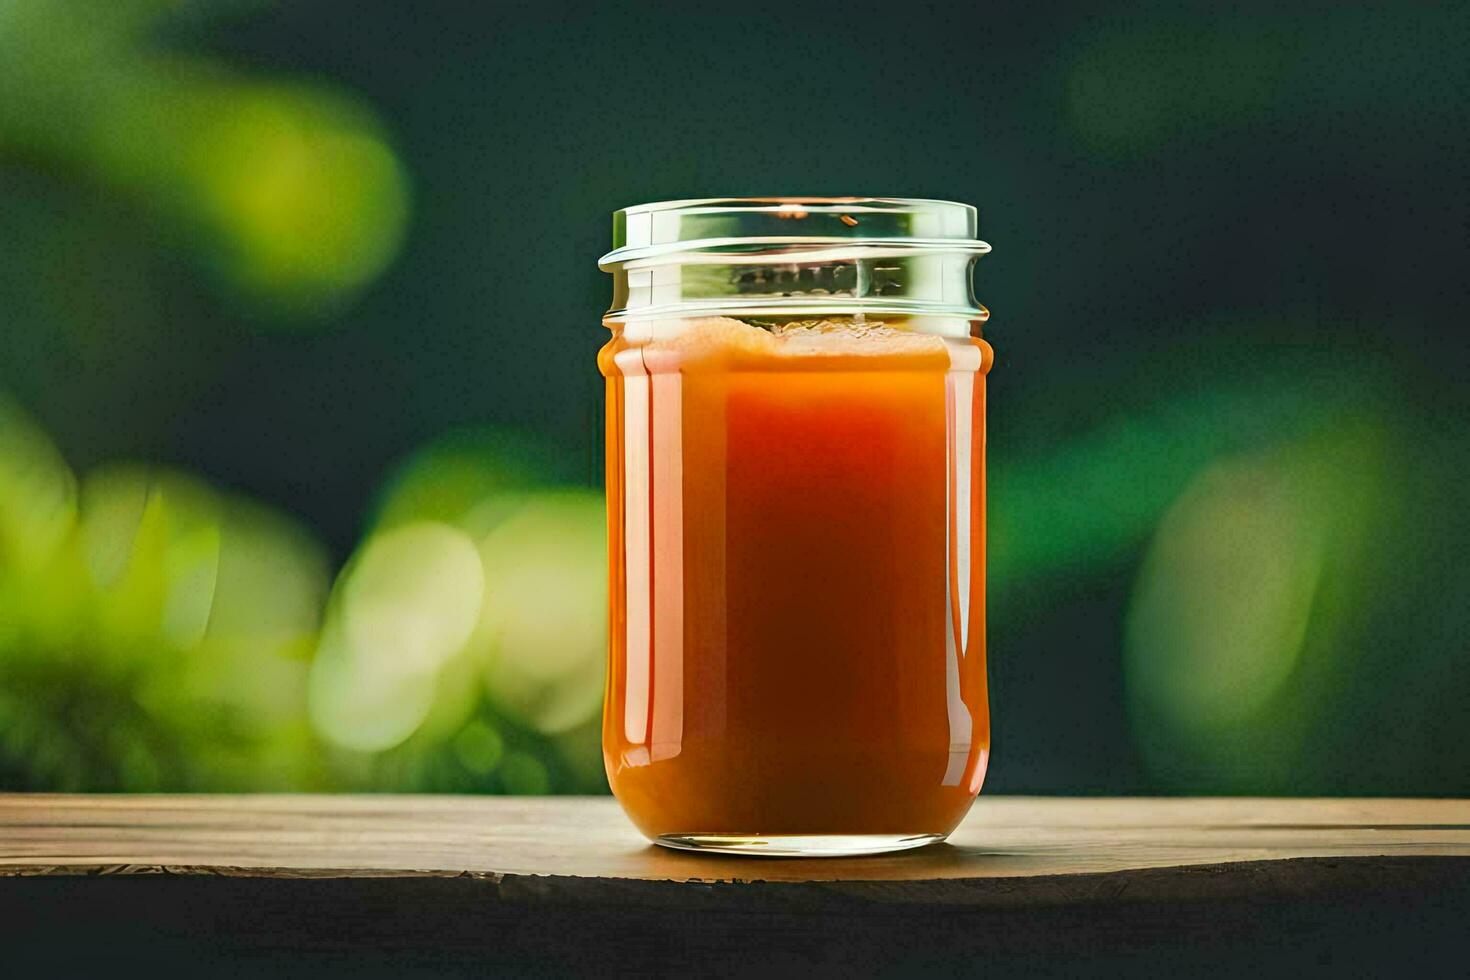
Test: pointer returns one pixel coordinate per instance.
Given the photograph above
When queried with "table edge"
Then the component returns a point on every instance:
(1280, 879)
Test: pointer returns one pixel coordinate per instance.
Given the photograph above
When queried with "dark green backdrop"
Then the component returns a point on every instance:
(1228, 300)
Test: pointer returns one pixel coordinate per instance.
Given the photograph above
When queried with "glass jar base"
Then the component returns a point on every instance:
(796, 845)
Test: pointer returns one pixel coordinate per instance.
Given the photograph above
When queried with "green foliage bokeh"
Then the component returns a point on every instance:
(299, 431)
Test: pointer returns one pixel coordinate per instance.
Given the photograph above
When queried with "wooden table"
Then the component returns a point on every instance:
(399, 885)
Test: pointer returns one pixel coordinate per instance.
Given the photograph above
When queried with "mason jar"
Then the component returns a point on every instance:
(796, 515)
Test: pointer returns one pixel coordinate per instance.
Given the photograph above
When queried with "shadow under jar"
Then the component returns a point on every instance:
(796, 504)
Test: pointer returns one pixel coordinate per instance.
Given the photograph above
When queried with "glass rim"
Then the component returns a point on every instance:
(756, 229)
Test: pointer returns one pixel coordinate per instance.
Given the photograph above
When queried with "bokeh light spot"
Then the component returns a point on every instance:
(1222, 605)
(306, 200)
(544, 623)
(479, 748)
(38, 493)
(471, 479)
(403, 606)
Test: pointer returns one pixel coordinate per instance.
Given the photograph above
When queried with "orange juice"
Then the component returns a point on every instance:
(796, 528)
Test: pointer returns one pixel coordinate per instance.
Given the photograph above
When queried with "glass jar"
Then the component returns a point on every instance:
(796, 501)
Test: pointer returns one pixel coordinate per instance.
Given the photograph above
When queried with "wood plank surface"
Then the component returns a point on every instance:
(403, 885)
(590, 838)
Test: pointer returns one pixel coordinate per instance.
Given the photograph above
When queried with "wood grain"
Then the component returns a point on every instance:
(395, 885)
(589, 837)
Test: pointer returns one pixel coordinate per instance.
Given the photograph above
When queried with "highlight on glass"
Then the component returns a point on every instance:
(796, 511)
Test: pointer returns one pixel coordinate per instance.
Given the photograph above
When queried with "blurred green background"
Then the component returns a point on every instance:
(300, 424)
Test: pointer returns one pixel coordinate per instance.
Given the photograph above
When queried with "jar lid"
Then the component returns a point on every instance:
(651, 234)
